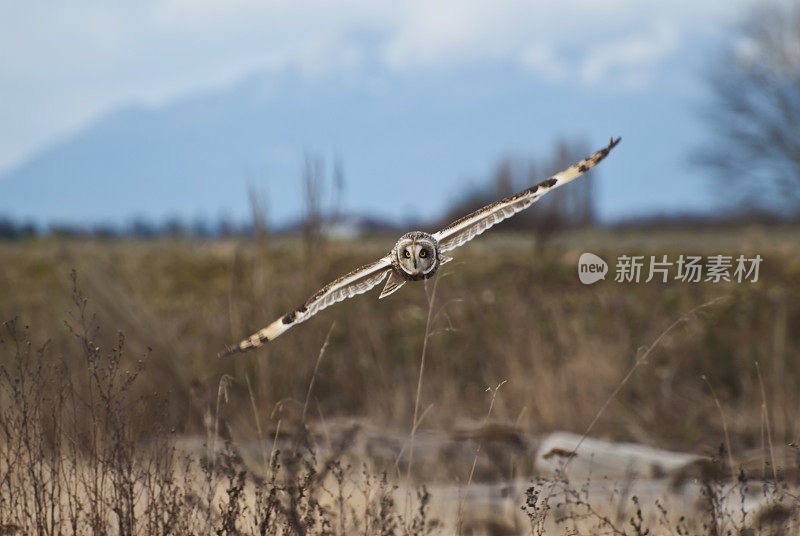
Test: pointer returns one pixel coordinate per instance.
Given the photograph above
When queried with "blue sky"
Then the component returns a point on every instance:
(578, 69)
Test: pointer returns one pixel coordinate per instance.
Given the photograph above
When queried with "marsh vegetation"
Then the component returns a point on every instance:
(118, 418)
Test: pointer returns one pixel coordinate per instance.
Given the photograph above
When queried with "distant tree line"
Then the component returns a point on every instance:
(139, 228)
(11, 230)
(712, 220)
(202, 230)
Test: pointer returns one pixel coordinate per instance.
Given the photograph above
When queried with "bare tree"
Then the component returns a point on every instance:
(580, 200)
(504, 178)
(338, 180)
(565, 207)
(258, 211)
(313, 186)
(323, 199)
(755, 115)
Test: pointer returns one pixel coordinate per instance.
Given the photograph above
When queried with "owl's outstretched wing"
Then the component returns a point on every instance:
(471, 225)
(356, 282)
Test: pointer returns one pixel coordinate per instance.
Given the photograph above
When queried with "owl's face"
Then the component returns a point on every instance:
(417, 255)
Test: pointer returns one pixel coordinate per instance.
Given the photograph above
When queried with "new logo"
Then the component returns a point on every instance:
(591, 268)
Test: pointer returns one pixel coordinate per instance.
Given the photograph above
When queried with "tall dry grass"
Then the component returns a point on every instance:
(89, 415)
(82, 453)
(504, 311)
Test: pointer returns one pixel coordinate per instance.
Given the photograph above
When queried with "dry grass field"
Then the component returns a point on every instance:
(109, 377)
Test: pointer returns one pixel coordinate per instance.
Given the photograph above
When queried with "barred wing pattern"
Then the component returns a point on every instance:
(470, 226)
(356, 282)
(457, 233)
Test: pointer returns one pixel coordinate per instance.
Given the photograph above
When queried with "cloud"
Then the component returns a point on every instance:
(64, 64)
(543, 60)
(629, 60)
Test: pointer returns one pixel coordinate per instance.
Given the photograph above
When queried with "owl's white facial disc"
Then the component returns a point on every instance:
(417, 255)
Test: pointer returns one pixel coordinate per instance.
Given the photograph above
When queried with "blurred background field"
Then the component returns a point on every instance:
(176, 175)
(118, 413)
(504, 310)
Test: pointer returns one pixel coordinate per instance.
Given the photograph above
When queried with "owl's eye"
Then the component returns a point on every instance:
(408, 254)
(423, 253)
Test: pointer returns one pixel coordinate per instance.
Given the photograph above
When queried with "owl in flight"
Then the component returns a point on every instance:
(417, 255)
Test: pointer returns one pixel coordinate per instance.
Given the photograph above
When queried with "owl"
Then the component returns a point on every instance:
(417, 255)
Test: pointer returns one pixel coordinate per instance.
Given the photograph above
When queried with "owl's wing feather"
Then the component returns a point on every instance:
(393, 284)
(356, 282)
(471, 225)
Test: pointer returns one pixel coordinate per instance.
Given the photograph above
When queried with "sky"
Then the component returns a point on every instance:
(66, 66)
